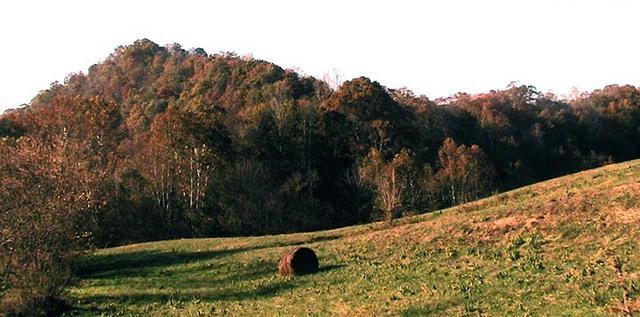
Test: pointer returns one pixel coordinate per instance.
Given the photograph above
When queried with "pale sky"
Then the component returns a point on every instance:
(436, 48)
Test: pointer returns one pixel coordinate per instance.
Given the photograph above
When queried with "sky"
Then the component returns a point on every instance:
(435, 48)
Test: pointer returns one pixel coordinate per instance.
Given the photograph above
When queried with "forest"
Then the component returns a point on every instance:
(161, 142)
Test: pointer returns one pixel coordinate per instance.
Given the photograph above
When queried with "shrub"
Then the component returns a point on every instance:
(46, 201)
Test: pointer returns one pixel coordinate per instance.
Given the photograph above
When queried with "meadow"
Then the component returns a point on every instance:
(563, 247)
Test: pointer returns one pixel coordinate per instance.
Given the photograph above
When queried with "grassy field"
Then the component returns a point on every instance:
(565, 247)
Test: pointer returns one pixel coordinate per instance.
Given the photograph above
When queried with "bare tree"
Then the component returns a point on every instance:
(333, 78)
(388, 180)
(465, 171)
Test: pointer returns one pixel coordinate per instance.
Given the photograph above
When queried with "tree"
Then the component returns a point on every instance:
(246, 199)
(179, 162)
(465, 171)
(170, 133)
(48, 196)
(377, 120)
(390, 181)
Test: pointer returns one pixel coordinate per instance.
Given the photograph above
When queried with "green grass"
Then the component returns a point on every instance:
(565, 247)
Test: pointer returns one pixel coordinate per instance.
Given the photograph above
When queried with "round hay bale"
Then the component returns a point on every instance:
(298, 261)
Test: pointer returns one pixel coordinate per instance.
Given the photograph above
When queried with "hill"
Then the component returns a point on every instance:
(191, 144)
(159, 143)
(564, 247)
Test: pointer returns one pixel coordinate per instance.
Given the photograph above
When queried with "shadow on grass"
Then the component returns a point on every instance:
(235, 287)
(137, 264)
(438, 308)
(189, 276)
(241, 283)
(329, 268)
(239, 286)
(204, 294)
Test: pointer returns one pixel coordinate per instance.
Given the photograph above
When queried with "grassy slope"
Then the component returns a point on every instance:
(565, 247)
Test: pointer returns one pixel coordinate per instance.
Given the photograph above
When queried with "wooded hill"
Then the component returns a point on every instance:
(175, 143)
(159, 142)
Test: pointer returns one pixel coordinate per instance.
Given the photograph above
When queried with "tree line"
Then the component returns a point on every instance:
(160, 142)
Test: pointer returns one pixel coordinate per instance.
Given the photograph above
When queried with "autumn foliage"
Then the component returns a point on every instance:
(160, 142)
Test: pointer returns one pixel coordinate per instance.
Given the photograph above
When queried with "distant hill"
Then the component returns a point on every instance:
(197, 144)
(564, 247)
